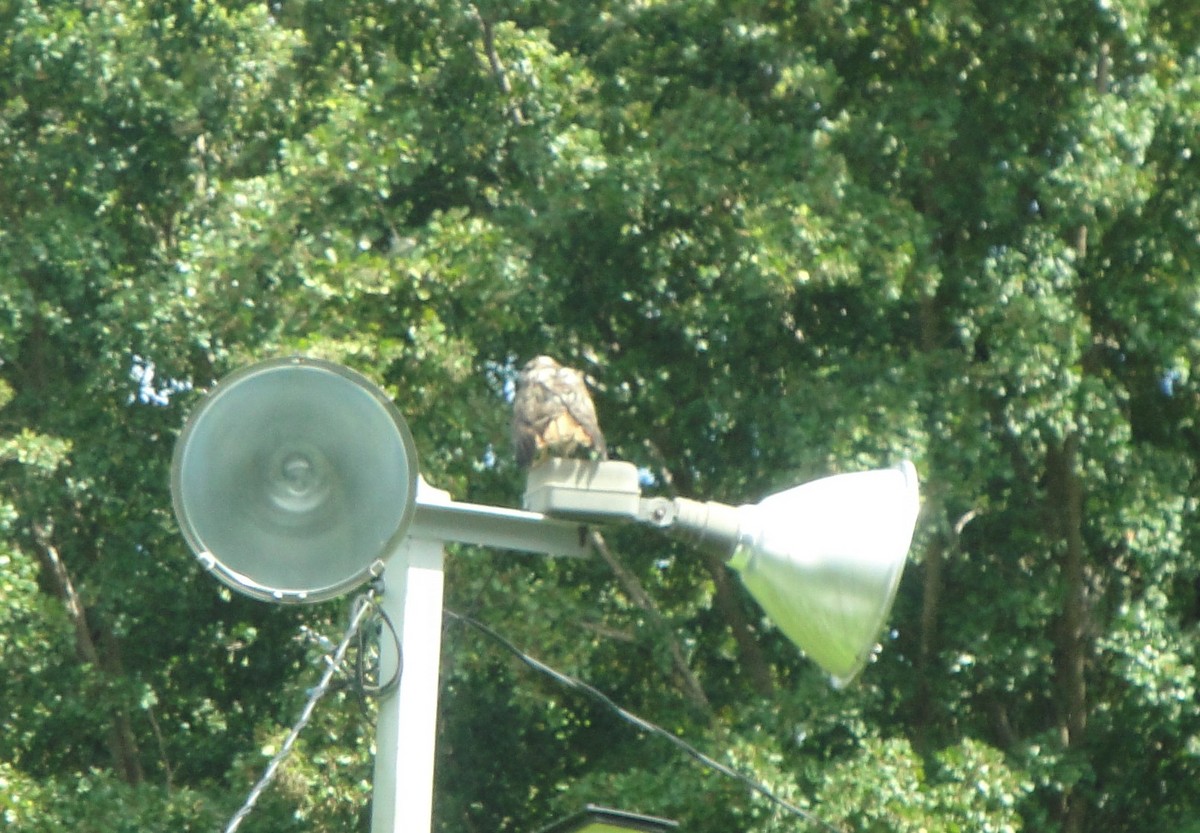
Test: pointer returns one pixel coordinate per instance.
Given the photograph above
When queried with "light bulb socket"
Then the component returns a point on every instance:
(708, 525)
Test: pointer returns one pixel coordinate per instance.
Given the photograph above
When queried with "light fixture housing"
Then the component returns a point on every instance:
(594, 819)
(294, 480)
(823, 559)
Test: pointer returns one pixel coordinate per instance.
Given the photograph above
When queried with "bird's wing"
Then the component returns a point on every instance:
(572, 392)
(527, 414)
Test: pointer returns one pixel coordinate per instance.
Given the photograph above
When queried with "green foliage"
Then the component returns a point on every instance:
(785, 239)
(966, 787)
(95, 801)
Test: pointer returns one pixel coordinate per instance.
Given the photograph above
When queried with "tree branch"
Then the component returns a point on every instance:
(725, 596)
(85, 646)
(493, 57)
(637, 594)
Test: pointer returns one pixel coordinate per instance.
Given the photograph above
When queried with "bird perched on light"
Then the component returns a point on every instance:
(553, 414)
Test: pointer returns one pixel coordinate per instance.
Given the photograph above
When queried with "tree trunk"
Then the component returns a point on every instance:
(1065, 509)
(931, 595)
(122, 743)
(749, 650)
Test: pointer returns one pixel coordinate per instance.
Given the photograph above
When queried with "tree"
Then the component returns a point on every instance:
(785, 239)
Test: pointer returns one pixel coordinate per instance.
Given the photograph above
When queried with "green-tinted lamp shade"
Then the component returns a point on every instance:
(824, 561)
(294, 479)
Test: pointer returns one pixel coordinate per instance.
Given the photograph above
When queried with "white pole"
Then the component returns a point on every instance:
(412, 598)
(407, 725)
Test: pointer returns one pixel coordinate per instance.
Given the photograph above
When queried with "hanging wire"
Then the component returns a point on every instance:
(367, 672)
(576, 684)
(363, 606)
(363, 655)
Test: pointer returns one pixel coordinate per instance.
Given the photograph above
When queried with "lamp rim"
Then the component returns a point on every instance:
(236, 579)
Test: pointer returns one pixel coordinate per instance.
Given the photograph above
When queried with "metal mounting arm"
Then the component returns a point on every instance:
(608, 491)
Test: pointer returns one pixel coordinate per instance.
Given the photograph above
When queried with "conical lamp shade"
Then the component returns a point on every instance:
(294, 479)
(824, 561)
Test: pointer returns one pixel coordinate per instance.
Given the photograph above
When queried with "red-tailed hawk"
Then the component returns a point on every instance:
(553, 414)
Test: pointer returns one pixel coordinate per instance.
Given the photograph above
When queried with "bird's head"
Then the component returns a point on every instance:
(542, 363)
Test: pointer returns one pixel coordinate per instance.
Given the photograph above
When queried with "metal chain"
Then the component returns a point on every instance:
(363, 605)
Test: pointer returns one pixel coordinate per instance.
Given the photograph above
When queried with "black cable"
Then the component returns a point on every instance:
(576, 684)
(363, 672)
